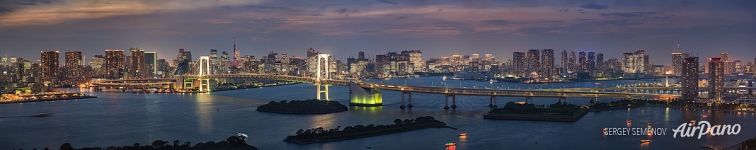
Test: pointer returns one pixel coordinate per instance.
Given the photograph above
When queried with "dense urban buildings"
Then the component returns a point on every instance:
(695, 78)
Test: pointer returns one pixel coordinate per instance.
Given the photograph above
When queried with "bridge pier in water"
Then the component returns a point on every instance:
(409, 96)
(454, 102)
(492, 102)
(322, 90)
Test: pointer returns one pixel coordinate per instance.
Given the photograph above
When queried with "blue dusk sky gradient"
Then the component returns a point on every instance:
(343, 27)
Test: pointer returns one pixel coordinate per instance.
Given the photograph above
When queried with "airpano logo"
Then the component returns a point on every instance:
(688, 130)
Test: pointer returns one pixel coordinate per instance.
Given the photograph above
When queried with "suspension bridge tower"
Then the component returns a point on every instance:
(204, 72)
(323, 73)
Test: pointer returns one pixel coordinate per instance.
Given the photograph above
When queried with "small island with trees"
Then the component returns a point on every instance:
(233, 142)
(560, 111)
(303, 107)
(318, 135)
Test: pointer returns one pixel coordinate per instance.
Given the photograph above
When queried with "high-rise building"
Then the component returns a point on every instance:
(97, 63)
(137, 67)
(533, 61)
(74, 66)
(547, 63)
(591, 61)
(572, 65)
(565, 61)
(115, 63)
(150, 64)
(678, 58)
(361, 55)
(600, 61)
(49, 63)
(729, 67)
(689, 79)
(237, 55)
(583, 62)
(635, 62)
(183, 61)
(519, 63)
(716, 79)
(416, 59)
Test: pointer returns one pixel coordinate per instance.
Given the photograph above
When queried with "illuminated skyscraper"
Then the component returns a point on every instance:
(533, 61)
(183, 61)
(583, 62)
(237, 55)
(74, 66)
(600, 61)
(689, 79)
(547, 62)
(97, 63)
(591, 61)
(137, 68)
(635, 62)
(678, 58)
(565, 62)
(115, 63)
(716, 79)
(150, 64)
(49, 63)
(518, 63)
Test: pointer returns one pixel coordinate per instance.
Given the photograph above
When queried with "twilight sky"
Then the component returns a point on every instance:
(343, 27)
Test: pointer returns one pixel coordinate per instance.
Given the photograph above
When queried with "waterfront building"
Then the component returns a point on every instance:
(716, 79)
(49, 64)
(635, 62)
(565, 63)
(689, 79)
(572, 67)
(591, 61)
(518, 63)
(678, 59)
(137, 69)
(183, 61)
(150, 64)
(600, 64)
(96, 64)
(74, 67)
(533, 61)
(583, 62)
(115, 63)
(357, 66)
(547, 63)
(416, 59)
(400, 64)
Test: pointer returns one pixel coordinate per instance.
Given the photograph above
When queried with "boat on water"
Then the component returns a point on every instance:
(451, 146)
(242, 135)
(644, 141)
(463, 134)
(40, 115)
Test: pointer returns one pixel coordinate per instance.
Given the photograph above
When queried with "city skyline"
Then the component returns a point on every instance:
(438, 28)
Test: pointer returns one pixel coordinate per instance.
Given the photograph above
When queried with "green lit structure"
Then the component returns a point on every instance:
(364, 96)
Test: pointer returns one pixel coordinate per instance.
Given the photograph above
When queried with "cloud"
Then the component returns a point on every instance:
(387, 2)
(53, 12)
(627, 14)
(594, 6)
